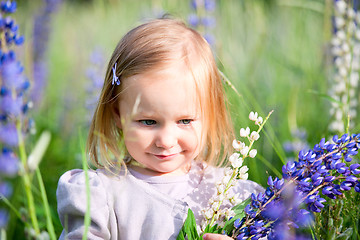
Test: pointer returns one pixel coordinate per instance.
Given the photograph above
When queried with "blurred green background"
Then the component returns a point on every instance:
(274, 52)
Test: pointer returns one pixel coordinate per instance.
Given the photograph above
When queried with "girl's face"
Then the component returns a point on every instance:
(161, 120)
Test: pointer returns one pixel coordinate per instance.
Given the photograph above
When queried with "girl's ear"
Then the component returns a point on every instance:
(116, 114)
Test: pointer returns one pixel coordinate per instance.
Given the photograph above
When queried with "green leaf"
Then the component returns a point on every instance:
(326, 96)
(239, 214)
(345, 235)
(213, 229)
(189, 228)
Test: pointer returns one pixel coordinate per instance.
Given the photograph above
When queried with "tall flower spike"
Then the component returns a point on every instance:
(115, 78)
(293, 200)
(217, 211)
(345, 45)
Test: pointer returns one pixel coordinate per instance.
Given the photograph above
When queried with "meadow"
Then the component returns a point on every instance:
(275, 53)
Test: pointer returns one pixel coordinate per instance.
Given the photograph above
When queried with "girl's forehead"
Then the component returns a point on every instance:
(170, 87)
(173, 74)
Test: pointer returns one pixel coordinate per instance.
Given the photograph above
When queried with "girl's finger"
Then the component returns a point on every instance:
(212, 236)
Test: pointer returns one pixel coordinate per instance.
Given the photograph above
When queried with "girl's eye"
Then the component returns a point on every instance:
(185, 121)
(147, 122)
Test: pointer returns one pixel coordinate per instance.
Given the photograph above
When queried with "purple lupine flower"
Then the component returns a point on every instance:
(9, 134)
(290, 202)
(9, 163)
(5, 189)
(41, 33)
(203, 19)
(4, 218)
(95, 75)
(13, 104)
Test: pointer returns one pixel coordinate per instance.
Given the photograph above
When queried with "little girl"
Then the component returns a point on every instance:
(160, 129)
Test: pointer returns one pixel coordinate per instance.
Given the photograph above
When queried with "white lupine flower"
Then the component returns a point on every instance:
(343, 71)
(215, 202)
(253, 116)
(352, 113)
(340, 87)
(211, 201)
(339, 62)
(339, 22)
(340, 7)
(226, 179)
(203, 224)
(335, 41)
(352, 27)
(237, 163)
(244, 132)
(244, 151)
(336, 51)
(254, 136)
(235, 160)
(234, 156)
(228, 171)
(208, 213)
(244, 176)
(352, 94)
(346, 52)
(353, 103)
(243, 169)
(341, 35)
(199, 228)
(236, 145)
(357, 34)
(354, 79)
(235, 200)
(259, 121)
(220, 188)
(229, 213)
(345, 47)
(252, 153)
(351, 13)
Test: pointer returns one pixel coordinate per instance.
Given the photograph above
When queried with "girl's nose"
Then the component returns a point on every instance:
(166, 138)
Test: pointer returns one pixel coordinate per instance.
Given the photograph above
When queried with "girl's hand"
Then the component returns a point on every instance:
(212, 236)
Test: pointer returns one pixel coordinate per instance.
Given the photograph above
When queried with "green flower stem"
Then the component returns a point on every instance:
(26, 179)
(236, 171)
(12, 208)
(50, 226)
(87, 217)
(3, 234)
(228, 82)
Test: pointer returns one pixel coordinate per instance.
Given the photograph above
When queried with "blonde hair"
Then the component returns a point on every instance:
(147, 47)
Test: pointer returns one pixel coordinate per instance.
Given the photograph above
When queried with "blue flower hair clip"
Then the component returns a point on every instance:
(115, 78)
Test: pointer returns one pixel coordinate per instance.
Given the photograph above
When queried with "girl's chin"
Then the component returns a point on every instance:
(162, 172)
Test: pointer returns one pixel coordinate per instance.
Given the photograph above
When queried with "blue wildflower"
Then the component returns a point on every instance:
(203, 19)
(4, 218)
(291, 201)
(13, 100)
(5, 189)
(41, 34)
(95, 75)
(9, 163)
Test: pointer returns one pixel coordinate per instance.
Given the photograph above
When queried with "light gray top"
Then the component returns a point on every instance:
(134, 206)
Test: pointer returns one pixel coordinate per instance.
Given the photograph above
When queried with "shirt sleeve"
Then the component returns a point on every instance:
(72, 204)
(246, 187)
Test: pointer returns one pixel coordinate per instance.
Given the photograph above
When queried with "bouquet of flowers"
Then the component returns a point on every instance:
(289, 204)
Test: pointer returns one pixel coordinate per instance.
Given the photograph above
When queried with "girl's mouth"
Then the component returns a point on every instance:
(165, 157)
